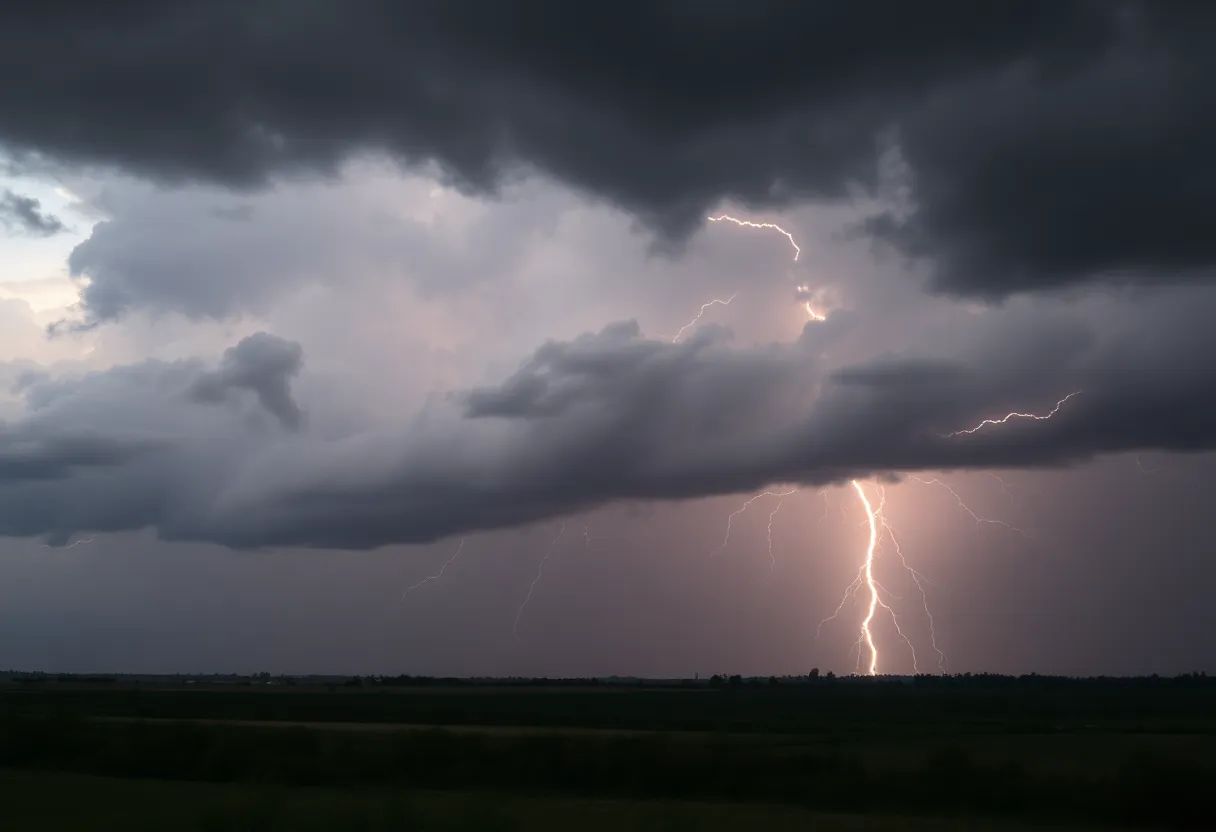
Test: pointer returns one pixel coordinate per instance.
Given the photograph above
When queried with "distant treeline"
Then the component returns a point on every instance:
(978, 680)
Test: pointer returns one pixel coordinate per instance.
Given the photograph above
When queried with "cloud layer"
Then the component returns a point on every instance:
(1046, 143)
(606, 417)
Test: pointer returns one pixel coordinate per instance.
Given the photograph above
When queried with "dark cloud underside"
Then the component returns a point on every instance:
(602, 418)
(1049, 141)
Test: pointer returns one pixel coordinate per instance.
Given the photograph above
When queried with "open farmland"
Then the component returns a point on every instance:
(1015, 754)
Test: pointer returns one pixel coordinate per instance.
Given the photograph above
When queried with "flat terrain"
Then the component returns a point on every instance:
(37, 800)
(965, 754)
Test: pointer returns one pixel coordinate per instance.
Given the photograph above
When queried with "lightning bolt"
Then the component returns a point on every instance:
(1016, 415)
(879, 526)
(731, 517)
(539, 571)
(750, 224)
(875, 519)
(868, 572)
(438, 574)
(70, 546)
(704, 306)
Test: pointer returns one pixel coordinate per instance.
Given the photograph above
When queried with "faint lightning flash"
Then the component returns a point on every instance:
(438, 574)
(979, 521)
(70, 546)
(1016, 415)
(1004, 486)
(539, 571)
(823, 492)
(811, 313)
(920, 580)
(771, 557)
(749, 224)
(704, 306)
(730, 518)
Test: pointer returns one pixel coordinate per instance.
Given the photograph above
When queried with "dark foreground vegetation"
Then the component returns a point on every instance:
(962, 753)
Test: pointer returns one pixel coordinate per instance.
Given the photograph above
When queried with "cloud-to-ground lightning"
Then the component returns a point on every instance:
(438, 574)
(704, 306)
(868, 572)
(866, 579)
(750, 224)
(539, 571)
(1016, 415)
(730, 518)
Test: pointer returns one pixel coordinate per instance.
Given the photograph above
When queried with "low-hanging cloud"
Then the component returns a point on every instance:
(1046, 143)
(261, 364)
(607, 417)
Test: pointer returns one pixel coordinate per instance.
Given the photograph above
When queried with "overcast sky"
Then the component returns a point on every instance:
(279, 332)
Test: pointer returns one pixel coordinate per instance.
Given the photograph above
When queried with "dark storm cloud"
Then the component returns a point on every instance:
(262, 364)
(132, 447)
(28, 456)
(117, 417)
(1049, 141)
(610, 417)
(24, 214)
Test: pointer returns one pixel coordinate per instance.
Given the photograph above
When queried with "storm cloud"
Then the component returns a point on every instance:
(263, 365)
(1047, 142)
(609, 417)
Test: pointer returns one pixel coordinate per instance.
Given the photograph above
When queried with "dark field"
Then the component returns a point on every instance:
(979, 753)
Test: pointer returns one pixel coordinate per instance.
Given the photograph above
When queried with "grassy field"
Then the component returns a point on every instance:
(836, 756)
(37, 800)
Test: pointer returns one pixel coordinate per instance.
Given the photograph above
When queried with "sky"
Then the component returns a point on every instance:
(399, 291)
